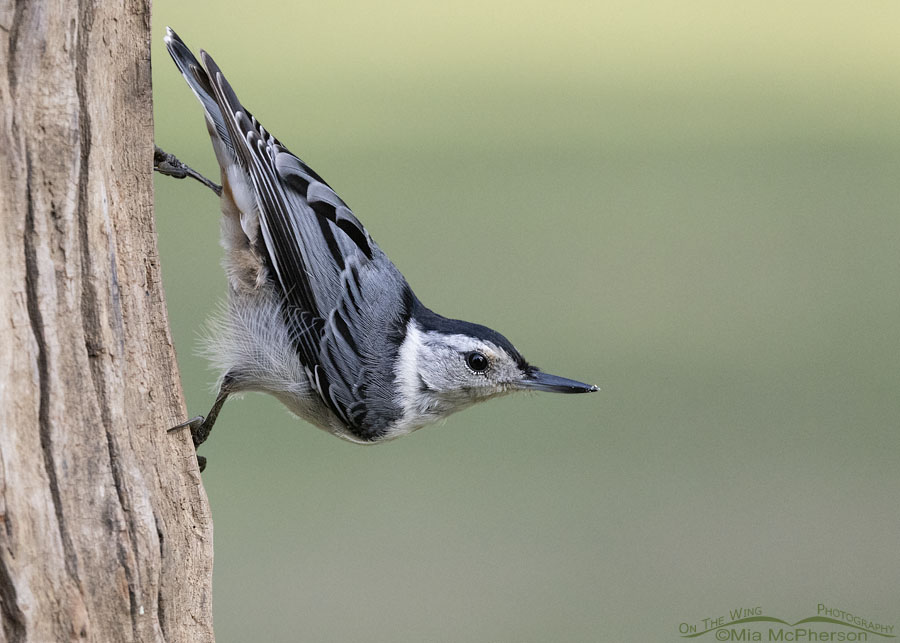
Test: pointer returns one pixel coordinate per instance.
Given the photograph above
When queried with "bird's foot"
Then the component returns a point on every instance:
(168, 164)
(200, 429)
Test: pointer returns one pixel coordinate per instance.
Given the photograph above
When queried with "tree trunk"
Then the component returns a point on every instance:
(105, 530)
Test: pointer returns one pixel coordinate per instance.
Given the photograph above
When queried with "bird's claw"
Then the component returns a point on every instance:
(168, 164)
(198, 434)
(192, 424)
(200, 428)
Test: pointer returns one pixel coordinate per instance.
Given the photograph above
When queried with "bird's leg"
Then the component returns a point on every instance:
(168, 164)
(202, 426)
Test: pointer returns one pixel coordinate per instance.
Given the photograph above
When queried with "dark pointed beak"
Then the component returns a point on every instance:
(538, 381)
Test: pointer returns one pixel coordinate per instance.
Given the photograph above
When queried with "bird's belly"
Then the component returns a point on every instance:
(312, 409)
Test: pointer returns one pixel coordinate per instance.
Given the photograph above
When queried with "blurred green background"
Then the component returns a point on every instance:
(693, 205)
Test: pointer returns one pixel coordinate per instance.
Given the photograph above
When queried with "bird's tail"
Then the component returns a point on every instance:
(199, 82)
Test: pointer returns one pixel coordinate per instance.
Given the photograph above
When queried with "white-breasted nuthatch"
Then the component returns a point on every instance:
(317, 315)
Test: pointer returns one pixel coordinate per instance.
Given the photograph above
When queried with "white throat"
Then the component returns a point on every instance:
(420, 407)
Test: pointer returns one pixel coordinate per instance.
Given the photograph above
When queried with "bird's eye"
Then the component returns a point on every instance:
(477, 361)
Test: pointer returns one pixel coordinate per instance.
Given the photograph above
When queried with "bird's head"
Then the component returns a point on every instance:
(445, 365)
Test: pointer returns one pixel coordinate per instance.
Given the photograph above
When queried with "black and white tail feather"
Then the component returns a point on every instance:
(317, 315)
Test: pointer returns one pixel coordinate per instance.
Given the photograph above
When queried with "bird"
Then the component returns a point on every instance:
(316, 314)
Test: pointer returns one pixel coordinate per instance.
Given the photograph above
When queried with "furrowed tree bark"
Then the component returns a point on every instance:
(105, 530)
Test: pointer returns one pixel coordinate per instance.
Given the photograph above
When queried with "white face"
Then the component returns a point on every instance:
(464, 369)
(439, 374)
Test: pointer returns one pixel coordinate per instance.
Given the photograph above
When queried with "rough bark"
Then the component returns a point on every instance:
(105, 530)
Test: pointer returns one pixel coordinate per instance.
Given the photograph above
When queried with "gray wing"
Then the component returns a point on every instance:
(360, 338)
(346, 302)
(308, 230)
